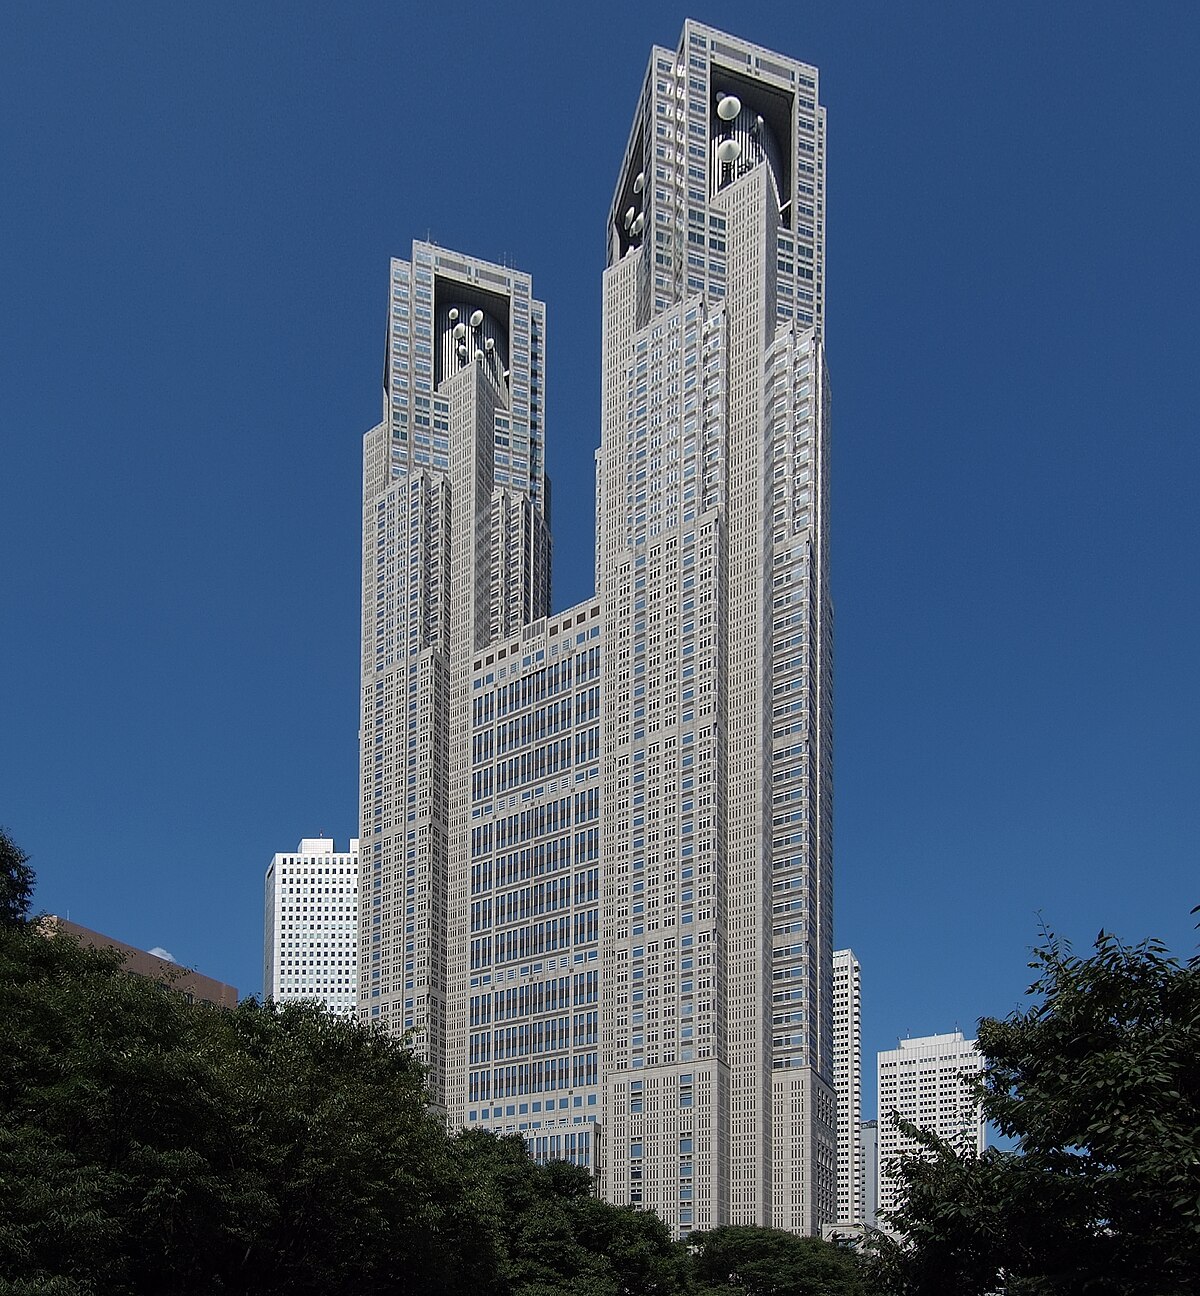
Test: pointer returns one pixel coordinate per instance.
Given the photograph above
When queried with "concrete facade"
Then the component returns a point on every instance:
(847, 1080)
(597, 846)
(310, 925)
(926, 1082)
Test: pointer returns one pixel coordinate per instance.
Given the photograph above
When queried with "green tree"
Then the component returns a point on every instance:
(16, 881)
(152, 1145)
(1098, 1084)
(744, 1261)
(554, 1237)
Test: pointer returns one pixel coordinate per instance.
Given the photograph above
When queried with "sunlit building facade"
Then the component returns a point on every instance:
(310, 919)
(712, 569)
(596, 846)
(928, 1083)
(847, 1081)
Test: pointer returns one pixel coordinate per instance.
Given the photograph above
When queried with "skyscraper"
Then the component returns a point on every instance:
(310, 938)
(869, 1160)
(456, 553)
(926, 1082)
(597, 859)
(847, 1080)
(712, 565)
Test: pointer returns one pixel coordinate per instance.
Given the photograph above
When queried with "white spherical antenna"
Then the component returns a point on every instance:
(728, 107)
(476, 318)
(460, 330)
(729, 150)
(639, 182)
(453, 314)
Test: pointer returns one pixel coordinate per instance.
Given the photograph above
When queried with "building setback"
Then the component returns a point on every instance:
(596, 846)
(310, 921)
(926, 1082)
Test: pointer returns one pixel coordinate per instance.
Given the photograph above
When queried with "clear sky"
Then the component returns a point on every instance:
(197, 206)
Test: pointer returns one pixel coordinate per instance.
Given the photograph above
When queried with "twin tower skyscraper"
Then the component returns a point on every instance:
(596, 864)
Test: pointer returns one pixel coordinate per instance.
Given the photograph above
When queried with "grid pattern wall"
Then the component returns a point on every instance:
(847, 1081)
(927, 1082)
(311, 923)
(718, 218)
(531, 1058)
(454, 498)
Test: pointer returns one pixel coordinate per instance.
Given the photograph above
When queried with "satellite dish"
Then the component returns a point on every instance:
(460, 330)
(453, 314)
(629, 215)
(639, 224)
(462, 351)
(729, 150)
(476, 318)
(728, 107)
(489, 345)
(639, 182)
(758, 123)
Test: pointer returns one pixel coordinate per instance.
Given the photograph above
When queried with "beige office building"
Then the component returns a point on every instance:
(597, 846)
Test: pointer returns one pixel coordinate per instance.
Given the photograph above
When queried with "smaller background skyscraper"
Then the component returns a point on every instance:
(926, 1081)
(310, 944)
(869, 1158)
(847, 1081)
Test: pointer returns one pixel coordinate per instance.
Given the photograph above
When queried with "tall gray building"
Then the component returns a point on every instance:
(596, 846)
(456, 552)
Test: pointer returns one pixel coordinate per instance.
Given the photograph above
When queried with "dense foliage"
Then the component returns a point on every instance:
(737, 1261)
(148, 1144)
(16, 881)
(1099, 1087)
(153, 1145)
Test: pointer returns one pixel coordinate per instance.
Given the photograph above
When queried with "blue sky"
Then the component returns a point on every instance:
(197, 209)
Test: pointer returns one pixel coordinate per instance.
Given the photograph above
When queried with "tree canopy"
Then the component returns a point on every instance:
(148, 1144)
(742, 1261)
(1098, 1085)
(16, 881)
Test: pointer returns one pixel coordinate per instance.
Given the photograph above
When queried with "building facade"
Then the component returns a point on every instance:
(712, 568)
(310, 936)
(926, 1082)
(847, 1081)
(597, 846)
(456, 553)
(869, 1160)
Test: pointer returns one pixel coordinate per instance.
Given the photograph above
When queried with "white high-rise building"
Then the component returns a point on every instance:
(310, 939)
(597, 846)
(926, 1082)
(869, 1160)
(847, 1080)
